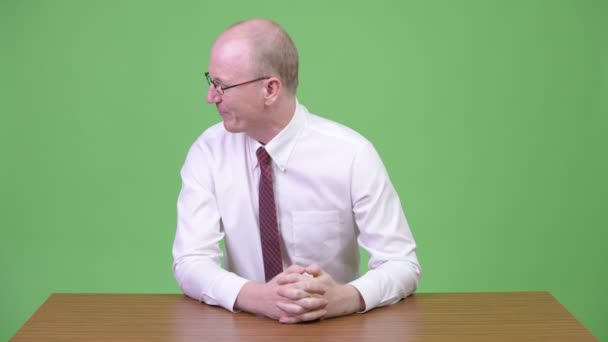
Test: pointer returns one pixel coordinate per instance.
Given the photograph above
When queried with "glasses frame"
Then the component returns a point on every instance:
(220, 88)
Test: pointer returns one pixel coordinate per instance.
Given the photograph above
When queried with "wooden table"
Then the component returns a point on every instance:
(523, 316)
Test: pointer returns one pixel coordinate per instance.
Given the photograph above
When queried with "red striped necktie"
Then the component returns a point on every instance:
(269, 230)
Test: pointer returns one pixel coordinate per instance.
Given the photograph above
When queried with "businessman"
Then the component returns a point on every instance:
(292, 195)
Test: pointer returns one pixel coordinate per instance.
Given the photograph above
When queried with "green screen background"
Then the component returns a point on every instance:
(490, 117)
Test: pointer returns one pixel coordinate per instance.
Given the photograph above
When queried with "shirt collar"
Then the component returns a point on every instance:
(281, 146)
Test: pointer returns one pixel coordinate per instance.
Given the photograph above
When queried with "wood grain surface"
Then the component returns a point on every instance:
(510, 316)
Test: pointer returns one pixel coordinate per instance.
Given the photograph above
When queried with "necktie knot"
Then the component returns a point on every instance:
(263, 156)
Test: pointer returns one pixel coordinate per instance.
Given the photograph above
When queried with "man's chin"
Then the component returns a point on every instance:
(230, 127)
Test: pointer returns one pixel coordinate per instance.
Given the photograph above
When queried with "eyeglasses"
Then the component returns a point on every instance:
(222, 88)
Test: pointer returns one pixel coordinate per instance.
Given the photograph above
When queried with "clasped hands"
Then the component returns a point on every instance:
(303, 293)
(300, 294)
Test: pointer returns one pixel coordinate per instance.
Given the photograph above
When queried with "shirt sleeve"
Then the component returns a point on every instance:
(196, 249)
(394, 270)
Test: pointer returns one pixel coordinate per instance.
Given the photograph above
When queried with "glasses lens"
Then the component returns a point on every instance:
(217, 86)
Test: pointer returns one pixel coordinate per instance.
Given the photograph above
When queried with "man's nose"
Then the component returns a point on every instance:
(212, 95)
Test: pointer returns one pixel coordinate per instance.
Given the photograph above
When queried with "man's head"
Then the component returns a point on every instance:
(273, 51)
(260, 55)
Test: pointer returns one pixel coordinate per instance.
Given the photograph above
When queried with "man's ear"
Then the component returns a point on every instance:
(272, 90)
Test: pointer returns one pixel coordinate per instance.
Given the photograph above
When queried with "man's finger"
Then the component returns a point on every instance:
(292, 292)
(295, 269)
(312, 303)
(288, 278)
(289, 319)
(312, 315)
(314, 270)
(291, 309)
(311, 286)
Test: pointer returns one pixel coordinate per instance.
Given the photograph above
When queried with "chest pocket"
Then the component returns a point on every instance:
(317, 236)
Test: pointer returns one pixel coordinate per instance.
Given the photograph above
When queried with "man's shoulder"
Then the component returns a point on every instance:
(216, 135)
(328, 129)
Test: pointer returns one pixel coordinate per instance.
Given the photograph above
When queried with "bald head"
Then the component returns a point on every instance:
(272, 51)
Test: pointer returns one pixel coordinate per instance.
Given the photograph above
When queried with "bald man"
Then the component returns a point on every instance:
(292, 195)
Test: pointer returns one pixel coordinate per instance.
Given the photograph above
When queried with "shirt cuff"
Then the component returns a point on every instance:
(228, 289)
(368, 291)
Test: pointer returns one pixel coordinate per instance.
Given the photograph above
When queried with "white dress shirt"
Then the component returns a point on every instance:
(332, 195)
